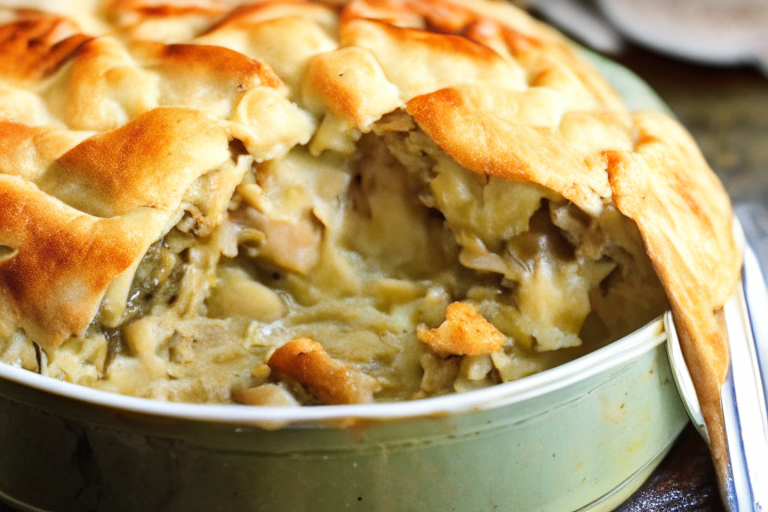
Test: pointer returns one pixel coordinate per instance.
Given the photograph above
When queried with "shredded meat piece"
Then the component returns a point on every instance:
(327, 379)
(464, 332)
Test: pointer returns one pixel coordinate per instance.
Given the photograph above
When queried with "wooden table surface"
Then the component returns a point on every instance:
(685, 481)
(726, 110)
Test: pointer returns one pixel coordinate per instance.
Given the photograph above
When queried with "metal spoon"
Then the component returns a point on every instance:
(743, 394)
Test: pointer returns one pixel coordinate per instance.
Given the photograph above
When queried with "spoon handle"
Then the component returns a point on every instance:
(754, 222)
(744, 392)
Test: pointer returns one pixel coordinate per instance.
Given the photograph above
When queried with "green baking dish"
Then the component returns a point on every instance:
(582, 436)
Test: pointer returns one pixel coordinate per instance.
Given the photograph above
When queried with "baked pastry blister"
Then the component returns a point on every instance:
(291, 203)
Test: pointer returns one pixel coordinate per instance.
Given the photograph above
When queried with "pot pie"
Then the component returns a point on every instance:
(294, 203)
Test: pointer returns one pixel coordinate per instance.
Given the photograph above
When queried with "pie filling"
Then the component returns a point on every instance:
(391, 273)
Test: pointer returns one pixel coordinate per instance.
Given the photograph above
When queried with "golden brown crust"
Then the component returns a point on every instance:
(524, 136)
(248, 15)
(464, 333)
(685, 219)
(63, 260)
(330, 381)
(133, 177)
(163, 10)
(444, 60)
(27, 151)
(211, 63)
(35, 47)
(100, 88)
(350, 83)
(150, 161)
